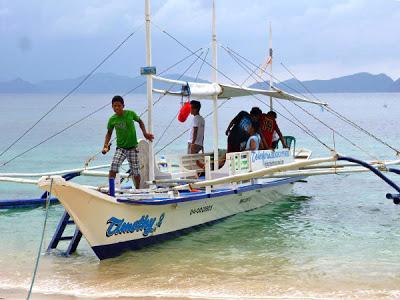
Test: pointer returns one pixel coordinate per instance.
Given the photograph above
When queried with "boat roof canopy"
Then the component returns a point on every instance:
(225, 91)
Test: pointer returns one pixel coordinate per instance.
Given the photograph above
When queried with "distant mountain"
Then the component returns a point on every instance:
(396, 85)
(98, 83)
(356, 83)
(117, 84)
(17, 86)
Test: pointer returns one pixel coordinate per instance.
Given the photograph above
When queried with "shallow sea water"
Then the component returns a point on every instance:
(333, 237)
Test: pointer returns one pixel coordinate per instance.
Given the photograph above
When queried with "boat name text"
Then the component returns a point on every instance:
(145, 223)
(268, 155)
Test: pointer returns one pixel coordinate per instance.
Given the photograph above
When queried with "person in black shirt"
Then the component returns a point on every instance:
(238, 128)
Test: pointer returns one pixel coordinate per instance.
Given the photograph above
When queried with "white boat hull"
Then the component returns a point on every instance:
(112, 227)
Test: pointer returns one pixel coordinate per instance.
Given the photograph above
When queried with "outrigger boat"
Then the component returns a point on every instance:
(175, 199)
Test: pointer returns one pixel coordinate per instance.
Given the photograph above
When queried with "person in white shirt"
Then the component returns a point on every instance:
(196, 138)
(254, 142)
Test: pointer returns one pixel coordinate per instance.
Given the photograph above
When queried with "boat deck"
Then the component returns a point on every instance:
(186, 196)
(162, 199)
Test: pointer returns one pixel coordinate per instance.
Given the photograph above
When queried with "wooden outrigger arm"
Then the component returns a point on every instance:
(257, 174)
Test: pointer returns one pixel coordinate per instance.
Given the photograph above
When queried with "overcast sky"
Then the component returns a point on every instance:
(47, 39)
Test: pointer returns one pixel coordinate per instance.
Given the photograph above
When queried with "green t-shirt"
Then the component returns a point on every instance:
(125, 128)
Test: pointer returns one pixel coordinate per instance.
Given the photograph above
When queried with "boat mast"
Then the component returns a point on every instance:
(270, 65)
(215, 80)
(149, 89)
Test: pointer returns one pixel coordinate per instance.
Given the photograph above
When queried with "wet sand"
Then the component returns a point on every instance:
(18, 294)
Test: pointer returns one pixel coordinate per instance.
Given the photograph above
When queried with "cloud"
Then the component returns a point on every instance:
(4, 11)
(316, 37)
(71, 18)
(100, 18)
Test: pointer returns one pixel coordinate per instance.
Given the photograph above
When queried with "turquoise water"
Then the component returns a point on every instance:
(334, 237)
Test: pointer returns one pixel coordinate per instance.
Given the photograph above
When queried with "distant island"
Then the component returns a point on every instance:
(356, 83)
(111, 83)
(97, 84)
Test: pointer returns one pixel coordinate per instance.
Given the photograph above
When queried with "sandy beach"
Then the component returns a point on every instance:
(18, 294)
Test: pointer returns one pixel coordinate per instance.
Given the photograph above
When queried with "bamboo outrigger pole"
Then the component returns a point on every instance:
(258, 173)
(215, 80)
(149, 89)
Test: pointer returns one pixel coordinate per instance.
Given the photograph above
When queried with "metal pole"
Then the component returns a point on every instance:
(270, 64)
(208, 172)
(149, 89)
(215, 80)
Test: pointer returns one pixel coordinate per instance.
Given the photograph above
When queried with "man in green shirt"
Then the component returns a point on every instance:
(127, 142)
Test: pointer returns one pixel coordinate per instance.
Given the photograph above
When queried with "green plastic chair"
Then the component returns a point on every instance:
(289, 140)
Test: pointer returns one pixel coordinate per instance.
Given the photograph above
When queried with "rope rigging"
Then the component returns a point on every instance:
(329, 109)
(300, 107)
(174, 118)
(342, 117)
(304, 128)
(191, 51)
(180, 135)
(41, 240)
(314, 117)
(90, 114)
(235, 56)
(73, 89)
(223, 74)
(93, 157)
(307, 130)
(210, 113)
(326, 125)
(173, 84)
(335, 131)
(202, 64)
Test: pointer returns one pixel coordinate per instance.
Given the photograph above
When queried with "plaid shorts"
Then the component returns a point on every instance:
(131, 155)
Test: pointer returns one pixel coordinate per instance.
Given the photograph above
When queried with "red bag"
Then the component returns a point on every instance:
(184, 112)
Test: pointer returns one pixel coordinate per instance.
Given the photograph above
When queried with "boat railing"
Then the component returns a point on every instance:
(250, 161)
(239, 162)
(178, 163)
(235, 163)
